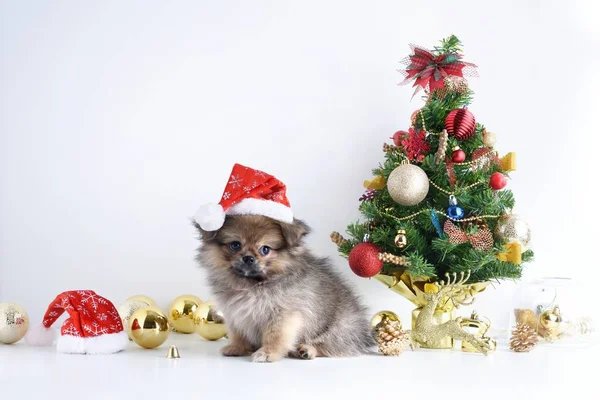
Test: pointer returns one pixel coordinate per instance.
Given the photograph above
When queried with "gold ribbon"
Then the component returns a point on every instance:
(512, 253)
(415, 288)
(376, 183)
(509, 162)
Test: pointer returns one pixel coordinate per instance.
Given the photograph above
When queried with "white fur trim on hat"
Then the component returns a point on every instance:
(39, 335)
(267, 208)
(103, 344)
(210, 216)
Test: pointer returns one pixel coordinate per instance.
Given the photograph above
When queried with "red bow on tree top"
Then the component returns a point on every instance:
(429, 70)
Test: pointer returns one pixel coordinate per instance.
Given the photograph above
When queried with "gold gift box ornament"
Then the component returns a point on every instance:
(414, 290)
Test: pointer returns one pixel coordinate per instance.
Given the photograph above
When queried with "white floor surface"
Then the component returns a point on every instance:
(548, 372)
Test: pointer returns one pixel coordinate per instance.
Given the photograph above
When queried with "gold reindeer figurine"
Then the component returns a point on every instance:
(428, 332)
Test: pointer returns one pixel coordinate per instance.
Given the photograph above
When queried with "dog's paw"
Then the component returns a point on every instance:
(261, 356)
(304, 352)
(232, 350)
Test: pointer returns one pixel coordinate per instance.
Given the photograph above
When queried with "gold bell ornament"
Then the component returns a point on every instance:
(209, 322)
(149, 327)
(14, 323)
(477, 327)
(181, 313)
(130, 306)
(173, 352)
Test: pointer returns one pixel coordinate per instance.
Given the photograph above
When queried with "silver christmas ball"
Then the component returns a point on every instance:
(408, 185)
(513, 229)
(14, 323)
(489, 138)
(127, 309)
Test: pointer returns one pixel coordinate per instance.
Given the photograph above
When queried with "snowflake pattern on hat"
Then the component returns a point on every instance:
(248, 192)
(89, 314)
(93, 326)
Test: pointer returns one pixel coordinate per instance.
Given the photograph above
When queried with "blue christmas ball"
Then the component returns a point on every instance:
(456, 212)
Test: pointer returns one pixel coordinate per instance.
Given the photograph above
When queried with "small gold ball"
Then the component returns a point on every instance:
(383, 316)
(400, 240)
(550, 320)
(209, 322)
(149, 327)
(14, 323)
(181, 313)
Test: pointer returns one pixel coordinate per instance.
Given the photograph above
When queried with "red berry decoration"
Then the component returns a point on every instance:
(364, 260)
(460, 123)
(458, 155)
(498, 181)
(398, 137)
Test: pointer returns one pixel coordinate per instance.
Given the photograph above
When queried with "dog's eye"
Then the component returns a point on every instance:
(265, 250)
(235, 246)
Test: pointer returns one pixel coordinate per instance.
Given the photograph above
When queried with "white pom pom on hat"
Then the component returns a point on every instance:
(210, 216)
(248, 192)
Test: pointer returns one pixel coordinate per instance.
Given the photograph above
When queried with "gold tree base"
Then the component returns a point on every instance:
(415, 290)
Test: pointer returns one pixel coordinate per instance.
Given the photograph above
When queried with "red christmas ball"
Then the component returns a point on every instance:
(498, 181)
(398, 137)
(458, 155)
(460, 123)
(364, 260)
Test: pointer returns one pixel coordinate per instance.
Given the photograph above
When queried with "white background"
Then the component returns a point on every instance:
(119, 118)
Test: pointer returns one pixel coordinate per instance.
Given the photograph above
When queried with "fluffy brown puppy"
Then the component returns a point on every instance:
(279, 299)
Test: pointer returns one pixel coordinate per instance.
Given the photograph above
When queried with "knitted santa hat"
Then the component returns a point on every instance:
(248, 192)
(93, 326)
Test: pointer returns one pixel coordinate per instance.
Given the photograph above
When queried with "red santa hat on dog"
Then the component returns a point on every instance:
(93, 326)
(248, 192)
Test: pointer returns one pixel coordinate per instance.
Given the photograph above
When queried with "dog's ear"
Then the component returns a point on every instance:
(205, 236)
(294, 233)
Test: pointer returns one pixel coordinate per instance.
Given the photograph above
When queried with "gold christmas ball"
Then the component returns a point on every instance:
(14, 323)
(181, 313)
(127, 309)
(142, 298)
(513, 229)
(209, 322)
(400, 240)
(489, 138)
(383, 316)
(408, 184)
(149, 327)
(551, 319)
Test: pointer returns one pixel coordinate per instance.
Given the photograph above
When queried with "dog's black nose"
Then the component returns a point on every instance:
(249, 260)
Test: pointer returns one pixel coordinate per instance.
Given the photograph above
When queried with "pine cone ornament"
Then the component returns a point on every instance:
(523, 339)
(388, 147)
(442, 147)
(337, 238)
(392, 340)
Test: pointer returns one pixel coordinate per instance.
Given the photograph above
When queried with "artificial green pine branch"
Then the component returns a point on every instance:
(429, 250)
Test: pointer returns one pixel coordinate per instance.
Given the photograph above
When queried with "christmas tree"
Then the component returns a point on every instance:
(437, 203)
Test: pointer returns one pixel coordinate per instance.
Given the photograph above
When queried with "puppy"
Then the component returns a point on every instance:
(277, 297)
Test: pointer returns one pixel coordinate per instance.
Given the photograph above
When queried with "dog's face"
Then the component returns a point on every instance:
(252, 248)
